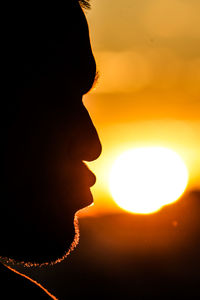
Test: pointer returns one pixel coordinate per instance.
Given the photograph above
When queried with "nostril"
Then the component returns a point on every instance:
(86, 149)
(93, 151)
(85, 142)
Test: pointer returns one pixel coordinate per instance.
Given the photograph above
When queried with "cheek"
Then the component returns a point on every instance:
(39, 165)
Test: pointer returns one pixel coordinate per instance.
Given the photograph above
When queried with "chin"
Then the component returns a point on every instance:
(60, 251)
(46, 236)
(88, 201)
(47, 253)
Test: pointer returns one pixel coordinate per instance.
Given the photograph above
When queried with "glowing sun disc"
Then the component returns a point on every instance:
(143, 180)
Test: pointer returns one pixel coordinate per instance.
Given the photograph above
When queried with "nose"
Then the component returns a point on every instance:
(86, 145)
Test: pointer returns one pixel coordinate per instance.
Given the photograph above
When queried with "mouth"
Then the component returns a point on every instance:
(89, 175)
(86, 180)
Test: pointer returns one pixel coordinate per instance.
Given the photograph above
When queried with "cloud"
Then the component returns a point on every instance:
(123, 72)
(160, 68)
(172, 18)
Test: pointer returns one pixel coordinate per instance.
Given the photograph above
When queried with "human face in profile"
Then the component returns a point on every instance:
(45, 178)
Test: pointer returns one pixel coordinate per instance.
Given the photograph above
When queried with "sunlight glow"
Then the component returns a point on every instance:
(143, 180)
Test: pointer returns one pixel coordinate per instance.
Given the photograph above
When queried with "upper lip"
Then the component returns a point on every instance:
(89, 174)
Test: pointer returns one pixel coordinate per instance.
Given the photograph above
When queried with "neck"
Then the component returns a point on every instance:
(4, 268)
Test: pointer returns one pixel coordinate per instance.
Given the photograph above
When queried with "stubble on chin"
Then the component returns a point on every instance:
(14, 263)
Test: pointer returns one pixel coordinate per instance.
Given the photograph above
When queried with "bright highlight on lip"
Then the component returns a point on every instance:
(143, 180)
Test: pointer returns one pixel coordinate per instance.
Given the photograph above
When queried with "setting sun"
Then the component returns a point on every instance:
(143, 180)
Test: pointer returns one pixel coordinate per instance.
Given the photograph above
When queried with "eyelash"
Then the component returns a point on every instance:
(96, 80)
(85, 4)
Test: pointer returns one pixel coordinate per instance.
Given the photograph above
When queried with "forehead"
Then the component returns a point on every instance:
(44, 30)
(28, 16)
(45, 42)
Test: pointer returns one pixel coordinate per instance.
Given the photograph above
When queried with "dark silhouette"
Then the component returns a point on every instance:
(154, 257)
(46, 134)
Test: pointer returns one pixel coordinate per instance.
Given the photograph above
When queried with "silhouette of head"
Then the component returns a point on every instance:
(46, 131)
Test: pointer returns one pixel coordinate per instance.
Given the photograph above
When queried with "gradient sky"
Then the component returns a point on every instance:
(148, 57)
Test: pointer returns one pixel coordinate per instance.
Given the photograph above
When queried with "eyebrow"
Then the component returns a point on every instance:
(85, 4)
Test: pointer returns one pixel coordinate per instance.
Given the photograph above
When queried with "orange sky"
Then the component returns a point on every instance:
(148, 57)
